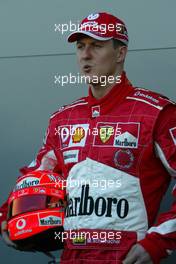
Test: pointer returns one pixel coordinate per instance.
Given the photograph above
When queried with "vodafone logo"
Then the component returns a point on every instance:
(21, 224)
(93, 16)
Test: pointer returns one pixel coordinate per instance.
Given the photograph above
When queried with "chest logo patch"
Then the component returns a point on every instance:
(129, 135)
(78, 135)
(105, 133)
(73, 135)
(118, 135)
(123, 159)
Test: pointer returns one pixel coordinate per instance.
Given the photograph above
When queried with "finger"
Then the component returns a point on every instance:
(142, 261)
(130, 260)
(131, 257)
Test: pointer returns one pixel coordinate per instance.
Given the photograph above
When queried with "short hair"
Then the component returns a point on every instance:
(117, 43)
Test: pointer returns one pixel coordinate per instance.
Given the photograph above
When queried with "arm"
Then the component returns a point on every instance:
(161, 238)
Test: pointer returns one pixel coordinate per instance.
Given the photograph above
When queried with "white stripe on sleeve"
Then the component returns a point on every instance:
(162, 157)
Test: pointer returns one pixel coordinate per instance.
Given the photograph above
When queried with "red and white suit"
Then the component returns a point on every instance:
(126, 141)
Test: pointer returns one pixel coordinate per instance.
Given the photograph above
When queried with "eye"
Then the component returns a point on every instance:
(79, 46)
(97, 45)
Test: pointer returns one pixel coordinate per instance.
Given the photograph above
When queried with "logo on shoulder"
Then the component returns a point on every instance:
(146, 96)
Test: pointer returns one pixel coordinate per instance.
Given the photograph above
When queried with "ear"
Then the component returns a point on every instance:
(121, 53)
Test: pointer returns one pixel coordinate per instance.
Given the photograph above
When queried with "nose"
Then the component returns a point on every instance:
(86, 53)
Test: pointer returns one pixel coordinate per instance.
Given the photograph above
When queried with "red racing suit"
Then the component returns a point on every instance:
(117, 154)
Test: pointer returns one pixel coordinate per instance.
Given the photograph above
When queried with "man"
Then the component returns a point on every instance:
(123, 137)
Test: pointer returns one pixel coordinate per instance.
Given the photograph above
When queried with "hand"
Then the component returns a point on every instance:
(137, 255)
(9, 242)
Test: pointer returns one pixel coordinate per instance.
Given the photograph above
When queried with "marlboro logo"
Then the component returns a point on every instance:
(86, 205)
(50, 221)
(129, 135)
(27, 182)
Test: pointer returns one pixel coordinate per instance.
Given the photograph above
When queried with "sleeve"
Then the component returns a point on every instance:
(46, 159)
(160, 240)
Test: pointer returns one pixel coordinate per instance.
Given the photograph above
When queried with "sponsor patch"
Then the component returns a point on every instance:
(129, 135)
(173, 134)
(21, 224)
(27, 182)
(23, 192)
(105, 133)
(86, 205)
(50, 221)
(123, 159)
(96, 111)
(88, 24)
(42, 190)
(93, 16)
(78, 135)
(23, 232)
(36, 189)
(102, 241)
(120, 28)
(79, 240)
(146, 96)
(52, 177)
(73, 135)
(70, 156)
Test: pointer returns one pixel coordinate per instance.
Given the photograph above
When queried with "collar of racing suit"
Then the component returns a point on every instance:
(116, 95)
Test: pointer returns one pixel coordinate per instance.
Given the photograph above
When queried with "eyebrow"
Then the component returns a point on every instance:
(79, 42)
(94, 41)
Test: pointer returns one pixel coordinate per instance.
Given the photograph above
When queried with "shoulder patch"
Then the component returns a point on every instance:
(149, 97)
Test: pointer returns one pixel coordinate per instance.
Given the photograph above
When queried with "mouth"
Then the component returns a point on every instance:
(87, 68)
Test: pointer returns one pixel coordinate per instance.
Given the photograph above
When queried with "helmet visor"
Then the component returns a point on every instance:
(28, 203)
(32, 203)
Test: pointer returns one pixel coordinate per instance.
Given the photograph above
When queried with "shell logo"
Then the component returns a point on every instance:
(78, 134)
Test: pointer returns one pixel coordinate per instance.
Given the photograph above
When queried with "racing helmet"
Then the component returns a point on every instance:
(36, 211)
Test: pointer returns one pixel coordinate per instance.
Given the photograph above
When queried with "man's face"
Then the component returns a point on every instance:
(96, 58)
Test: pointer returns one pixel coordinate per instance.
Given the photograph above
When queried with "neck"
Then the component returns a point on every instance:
(99, 90)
